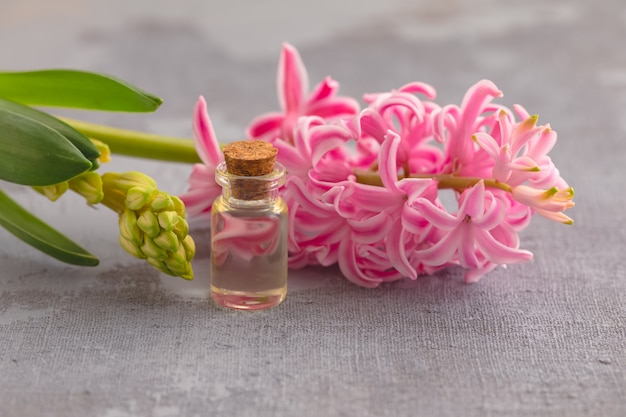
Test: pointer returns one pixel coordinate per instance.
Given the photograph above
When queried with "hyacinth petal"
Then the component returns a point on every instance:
(387, 168)
(348, 266)
(265, 124)
(497, 252)
(467, 252)
(543, 144)
(304, 126)
(521, 111)
(372, 197)
(371, 229)
(525, 127)
(205, 140)
(436, 215)
(492, 217)
(293, 80)
(445, 121)
(487, 143)
(407, 101)
(298, 191)
(325, 138)
(372, 124)
(412, 220)
(333, 107)
(555, 216)
(201, 175)
(324, 89)
(419, 88)
(415, 188)
(443, 251)
(473, 201)
(397, 253)
(477, 98)
(291, 158)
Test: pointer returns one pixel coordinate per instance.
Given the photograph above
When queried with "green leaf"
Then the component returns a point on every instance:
(76, 89)
(32, 153)
(38, 234)
(84, 145)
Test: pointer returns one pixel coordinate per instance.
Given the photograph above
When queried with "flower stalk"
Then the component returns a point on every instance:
(138, 144)
(444, 181)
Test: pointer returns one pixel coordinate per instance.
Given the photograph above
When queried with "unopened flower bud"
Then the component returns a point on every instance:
(137, 197)
(103, 148)
(162, 201)
(127, 180)
(152, 223)
(129, 229)
(149, 224)
(168, 220)
(167, 241)
(53, 192)
(89, 185)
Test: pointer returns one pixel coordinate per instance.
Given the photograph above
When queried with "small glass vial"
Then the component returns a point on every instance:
(249, 229)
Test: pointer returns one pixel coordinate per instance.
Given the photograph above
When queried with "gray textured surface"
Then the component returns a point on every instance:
(547, 338)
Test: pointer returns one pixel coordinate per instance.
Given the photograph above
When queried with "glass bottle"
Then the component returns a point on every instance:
(249, 231)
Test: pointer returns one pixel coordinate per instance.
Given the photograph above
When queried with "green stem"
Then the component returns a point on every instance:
(443, 180)
(139, 144)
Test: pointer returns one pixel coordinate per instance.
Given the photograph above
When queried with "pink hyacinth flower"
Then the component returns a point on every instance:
(396, 199)
(202, 186)
(454, 126)
(507, 152)
(475, 237)
(411, 118)
(549, 203)
(295, 100)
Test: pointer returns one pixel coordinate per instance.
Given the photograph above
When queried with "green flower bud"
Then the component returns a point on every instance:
(152, 250)
(179, 206)
(89, 185)
(168, 219)
(190, 247)
(167, 241)
(53, 192)
(128, 180)
(149, 224)
(162, 201)
(103, 148)
(137, 197)
(182, 228)
(131, 248)
(152, 223)
(129, 229)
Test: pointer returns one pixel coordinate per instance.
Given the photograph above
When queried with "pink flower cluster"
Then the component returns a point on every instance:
(363, 186)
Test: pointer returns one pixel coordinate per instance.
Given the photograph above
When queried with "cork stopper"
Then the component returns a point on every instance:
(253, 159)
(250, 158)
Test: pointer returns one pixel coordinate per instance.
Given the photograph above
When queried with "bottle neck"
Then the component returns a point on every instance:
(250, 192)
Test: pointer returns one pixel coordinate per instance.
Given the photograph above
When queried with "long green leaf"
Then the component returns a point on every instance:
(38, 234)
(32, 153)
(76, 89)
(87, 148)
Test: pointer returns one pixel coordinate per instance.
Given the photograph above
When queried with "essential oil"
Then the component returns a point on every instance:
(249, 229)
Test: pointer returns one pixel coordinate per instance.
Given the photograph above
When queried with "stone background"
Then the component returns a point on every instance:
(547, 338)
